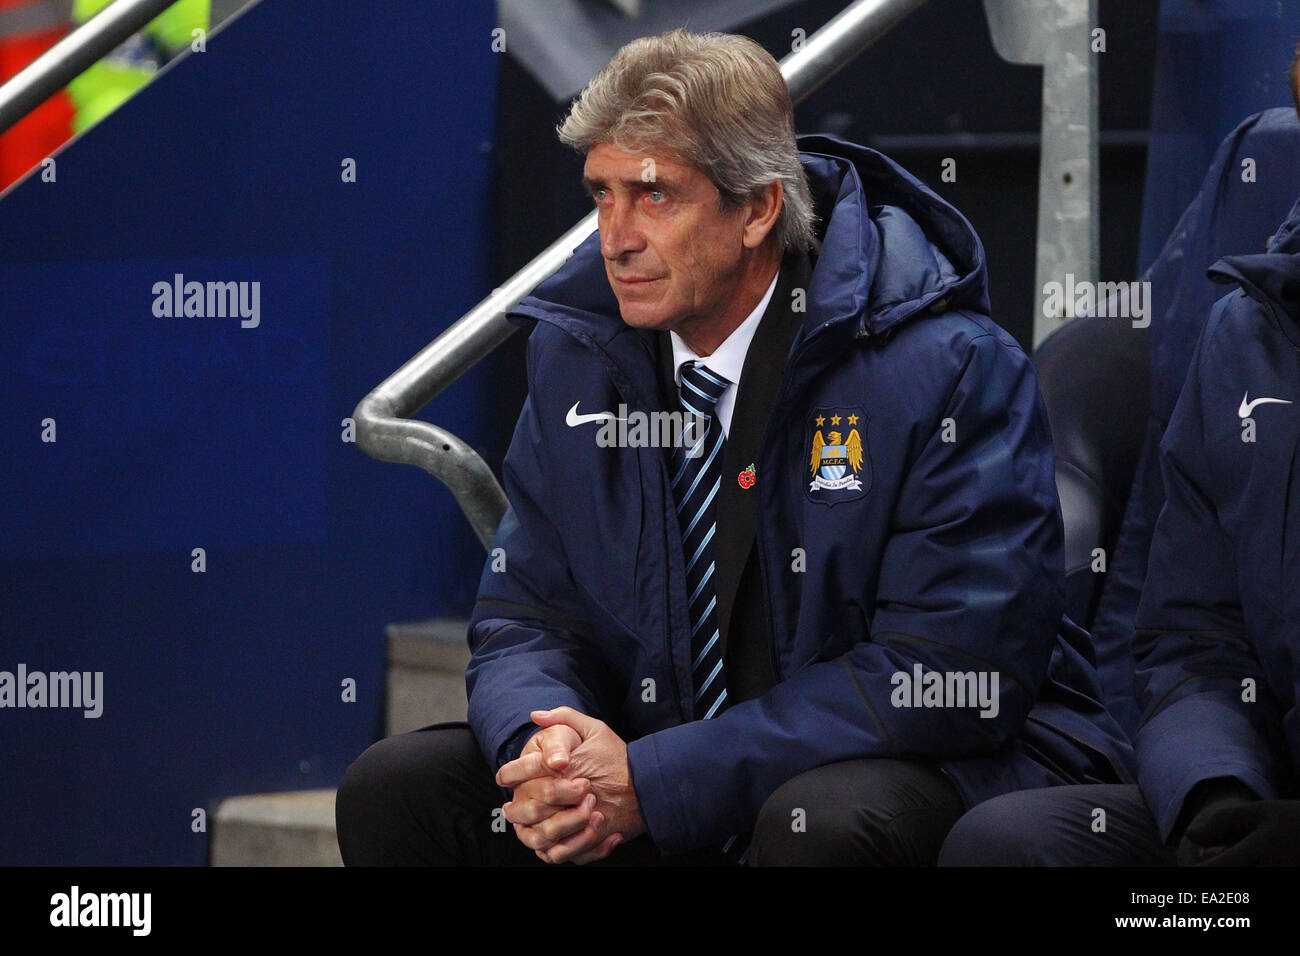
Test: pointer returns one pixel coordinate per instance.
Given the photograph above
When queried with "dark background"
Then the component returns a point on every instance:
(931, 88)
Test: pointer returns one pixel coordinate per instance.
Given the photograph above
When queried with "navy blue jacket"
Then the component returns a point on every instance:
(1217, 644)
(947, 554)
(1228, 217)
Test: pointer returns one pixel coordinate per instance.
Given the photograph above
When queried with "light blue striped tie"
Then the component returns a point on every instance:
(697, 476)
(696, 480)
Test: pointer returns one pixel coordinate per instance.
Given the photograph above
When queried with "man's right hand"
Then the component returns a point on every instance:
(555, 807)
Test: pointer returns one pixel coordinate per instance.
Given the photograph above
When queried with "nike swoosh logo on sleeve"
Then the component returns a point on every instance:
(1246, 407)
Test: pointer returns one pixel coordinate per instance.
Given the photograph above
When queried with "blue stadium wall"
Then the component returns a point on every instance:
(184, 432)
(1217, 62)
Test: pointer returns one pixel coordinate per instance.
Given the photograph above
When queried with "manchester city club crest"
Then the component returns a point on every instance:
(837, 460)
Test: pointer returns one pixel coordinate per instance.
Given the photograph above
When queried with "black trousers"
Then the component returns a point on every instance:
(427, 798)
(1085, 825)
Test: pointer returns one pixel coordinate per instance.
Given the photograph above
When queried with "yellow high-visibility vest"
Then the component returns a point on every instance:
(106, 84)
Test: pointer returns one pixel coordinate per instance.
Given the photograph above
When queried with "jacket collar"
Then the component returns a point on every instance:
(1272, 277)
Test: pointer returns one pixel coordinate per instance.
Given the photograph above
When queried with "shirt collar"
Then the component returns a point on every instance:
(728, 359)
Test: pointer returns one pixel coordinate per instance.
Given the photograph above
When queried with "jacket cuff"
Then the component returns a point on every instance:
(1193, 740)
(514, 745)
(1217, 791)
(657, 809)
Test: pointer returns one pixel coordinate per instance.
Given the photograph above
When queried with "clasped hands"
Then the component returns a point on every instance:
(573, 798)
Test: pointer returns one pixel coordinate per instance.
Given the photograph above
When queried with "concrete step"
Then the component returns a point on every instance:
(426, 673)
(426, 685)
(294, 828)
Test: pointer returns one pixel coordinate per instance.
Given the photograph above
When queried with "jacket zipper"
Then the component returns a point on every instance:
(763, 561)
(779, 416)
(767, 596)
(666, 544)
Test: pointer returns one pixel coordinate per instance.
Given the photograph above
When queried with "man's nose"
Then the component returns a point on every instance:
(619, 234)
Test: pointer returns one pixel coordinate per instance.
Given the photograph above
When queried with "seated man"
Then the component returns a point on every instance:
(816, 629)
(1216, 642)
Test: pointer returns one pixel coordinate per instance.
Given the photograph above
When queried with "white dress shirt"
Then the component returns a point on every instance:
(728, 359)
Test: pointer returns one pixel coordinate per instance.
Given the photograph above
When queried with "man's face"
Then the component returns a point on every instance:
(672, 255)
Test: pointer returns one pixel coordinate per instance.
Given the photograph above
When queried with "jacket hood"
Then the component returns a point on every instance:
(887, 250)
(1272, 277)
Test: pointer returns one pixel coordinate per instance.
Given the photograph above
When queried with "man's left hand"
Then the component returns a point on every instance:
(601, 758)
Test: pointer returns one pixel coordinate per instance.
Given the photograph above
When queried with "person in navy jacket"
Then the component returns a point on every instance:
(1217, 633)
(822, 625)
(1217, 638)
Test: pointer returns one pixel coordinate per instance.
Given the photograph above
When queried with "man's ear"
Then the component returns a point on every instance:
(761, 213)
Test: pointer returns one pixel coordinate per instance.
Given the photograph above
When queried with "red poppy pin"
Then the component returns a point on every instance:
(746, 477)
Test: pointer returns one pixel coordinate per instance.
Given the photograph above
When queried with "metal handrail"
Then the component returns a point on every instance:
(384, 427)
(71, 56)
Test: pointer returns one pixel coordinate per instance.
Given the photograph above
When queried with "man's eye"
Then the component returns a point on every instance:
(657, 195)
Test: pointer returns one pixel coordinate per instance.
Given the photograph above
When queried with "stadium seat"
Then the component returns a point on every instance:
(1093, 373)
(1093, 370)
